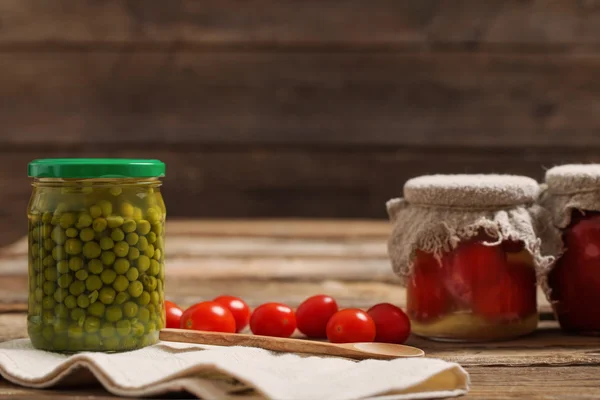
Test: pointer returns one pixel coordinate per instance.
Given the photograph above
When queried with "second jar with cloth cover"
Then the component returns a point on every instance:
(96, 254)
(468, 248)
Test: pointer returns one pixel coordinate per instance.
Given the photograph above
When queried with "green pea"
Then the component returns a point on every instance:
(75, 331)
(91, 325)
(143, 227)
(129, 342)
(113, 313)
(59, 253)
(144, 299)
(72, 246)
(157, 228)
(150, 282)
(86, 234)
(48, 303)
(106, 243)
(143, 263)
(154, 267)
(48, 333)
(72, 233)
(49, 244)
(77, 314)
(123, 327)
(135, 289)
(61, 325)
(83, 301)
(150, 327)
(39, 294)
(121, 266)
(137, 213)
(95, 211)
(121, 283)
(49, 287)
(117, 235)
(157, 254)
(49, 262)
(151, 237)
(99, 235)
(108, 257)
(47, 230)
(70, 301)
(133, 254)
(137, 329)
(96, 309)
(95, 266)
(149, 252)
(129, 226)
(82, 274)
(76, 288)
(108, 276)
(115, 190)
(160, 243)
(67, 220)
(130, 309)
(132, 238)
(84, 221)
(99, 224)
(93, 282)
(60, 295)
(154, 298)
(107, 295)
(91, 250)
(114, 221)
(121, 249)
(37, 264)
(65, 281)
(61, 311)
(62, 266)
(153, 215)
(42, 253)
(111, 343)
(48, 317)
(126, 209)
(47, 217)
(93, 296)
(92, 342)
(132, 274)
(106, 207)
(142, 243)
(143, 315)
(51, 274)
(121, 297)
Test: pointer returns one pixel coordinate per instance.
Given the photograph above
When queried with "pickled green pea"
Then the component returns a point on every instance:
(100, 235)
(91, 250)
(132, 274)
(149, 252)
(153, 215)
(133, 254)
(49, 262)
(114, 221)
(150, 282)
(154, 298)
(121, 249)
(151, 238)
(121, 297)
(93, 296)
(108, 276)
(48, 303)
(75, 331)
(49, 244)
(49, 287)
(86, 234)
(42, 253)
(84, 221)
(154, 267)
(91, 325)
(83, 301)
(132, 238)
(51, 274)
(95, 211)
(157, 254)
(37, 264)
(62, 266)
(70, 301)
(61, 325)
(99, 224)
(67, 220)
(137, 213)
(95, 266)
(76, 288)
(117, 235)
(142, 243)
(115, 190)
(39, 294)
(72, 233)
(82, 274)
(113, 313)
(123, 327)
(111, 343)
(47, 217)
(59, 253)
(121, 266)
(65, 281)
(48, 333)
(143, 227)
(144, 299)
(150, 327)
(157, 228)
(121, 283)
(48, 317)
(108, 257)
(106, 207)
(143, 315)
(143, 263)
(129, 226)
(92, 341)
(106, 243)
(107, 295)
(61, 311)
(137, 329)
(72, 247)
(60, 295)
(160, 243)
(96, 309)
(77, 314)
(93, 282)
(35, 233)
(130, 309)
(135, 288)
(126, 209)
(129, 342)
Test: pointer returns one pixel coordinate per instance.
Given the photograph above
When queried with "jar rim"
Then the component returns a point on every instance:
(90, 168)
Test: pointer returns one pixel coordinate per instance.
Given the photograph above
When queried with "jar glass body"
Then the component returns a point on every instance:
(575, 279)
(476, 292)
(96, 264)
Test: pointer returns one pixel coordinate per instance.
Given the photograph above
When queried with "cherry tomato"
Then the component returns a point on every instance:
(392, 324)
(427, 297)
(239, 309)
(351, 325)
(174, 313)
(273, 319)
(314, 313)
(208, 316)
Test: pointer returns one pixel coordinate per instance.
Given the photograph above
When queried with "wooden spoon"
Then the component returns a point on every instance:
(357, 351)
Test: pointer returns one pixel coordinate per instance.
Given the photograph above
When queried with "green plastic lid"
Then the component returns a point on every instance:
(95, 168)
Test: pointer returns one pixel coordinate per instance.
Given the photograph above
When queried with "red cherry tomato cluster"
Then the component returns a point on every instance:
(317, 317)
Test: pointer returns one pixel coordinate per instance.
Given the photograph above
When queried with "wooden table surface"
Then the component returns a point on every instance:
(289, 260)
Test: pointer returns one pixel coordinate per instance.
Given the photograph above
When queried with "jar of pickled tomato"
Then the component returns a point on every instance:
(572, 195)
(467, 247)
(96, 254)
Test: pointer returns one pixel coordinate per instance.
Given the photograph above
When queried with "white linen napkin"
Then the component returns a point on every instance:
(213, 372)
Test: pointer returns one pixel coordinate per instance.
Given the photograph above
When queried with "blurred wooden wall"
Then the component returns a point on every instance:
(297, 108)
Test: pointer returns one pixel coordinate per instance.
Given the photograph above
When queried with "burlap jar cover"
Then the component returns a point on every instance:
(439, 211)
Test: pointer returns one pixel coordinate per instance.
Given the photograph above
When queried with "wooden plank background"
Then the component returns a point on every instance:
(266, 108)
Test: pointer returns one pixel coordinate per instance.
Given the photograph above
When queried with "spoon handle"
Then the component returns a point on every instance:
(268, 343)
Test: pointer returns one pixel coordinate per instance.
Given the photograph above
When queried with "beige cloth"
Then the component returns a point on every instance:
(212, 372)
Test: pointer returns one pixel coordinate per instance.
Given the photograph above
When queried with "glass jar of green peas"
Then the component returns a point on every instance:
(96, 254)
